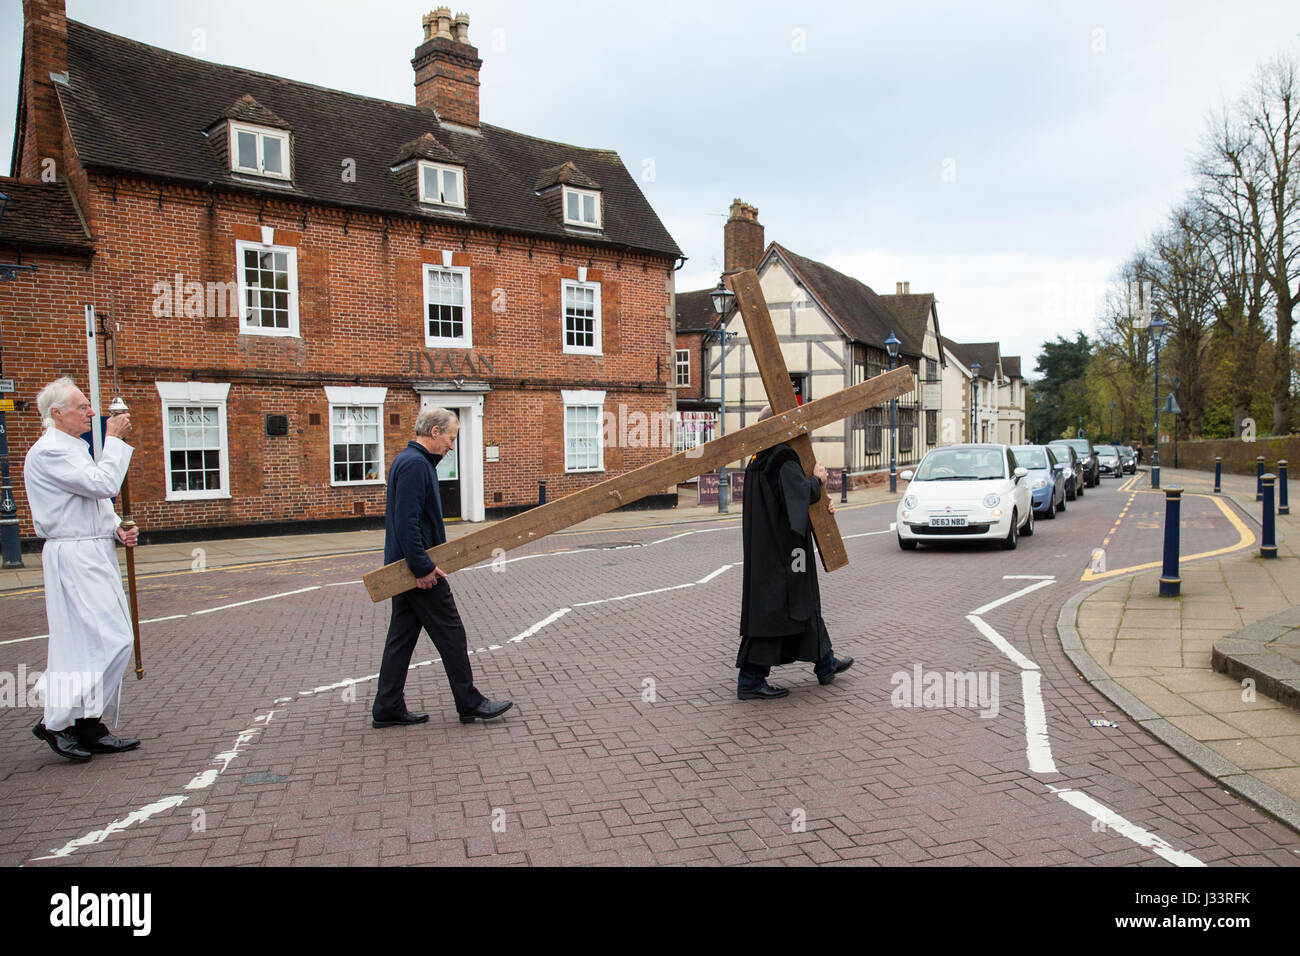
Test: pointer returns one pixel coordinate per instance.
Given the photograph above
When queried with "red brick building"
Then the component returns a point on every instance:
(293, 271)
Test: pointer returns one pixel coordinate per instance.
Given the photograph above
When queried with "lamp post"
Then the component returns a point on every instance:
(891, 346)
(974, 400)
(1157, 329)
(1080, 435)
(722, 299)
(1112, 421)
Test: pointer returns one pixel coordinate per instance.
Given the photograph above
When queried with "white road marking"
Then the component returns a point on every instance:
(1011, 597)
(170, 617)
(1038, 748)
(19, 640)
(1002, 644)
(1028, 577)
(864, 534)
(551, 619)
(131, 819)
(269, 597)
(1112, 820)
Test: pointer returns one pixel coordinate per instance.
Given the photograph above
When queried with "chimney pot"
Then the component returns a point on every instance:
(461, 28)
(907, 288)
(443, 15)
(742, 238)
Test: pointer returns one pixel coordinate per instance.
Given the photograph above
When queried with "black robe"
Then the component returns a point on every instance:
(781, 606)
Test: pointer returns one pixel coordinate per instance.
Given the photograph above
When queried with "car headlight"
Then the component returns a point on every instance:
(910, 501)
(1069, 472)
(992, 501)
(1086, 461)
(1039, 484)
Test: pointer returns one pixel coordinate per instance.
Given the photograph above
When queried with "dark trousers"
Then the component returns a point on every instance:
(434, 610)
(754, 676)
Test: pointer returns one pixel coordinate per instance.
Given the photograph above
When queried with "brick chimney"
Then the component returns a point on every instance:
(446, 68)
(903, 288)
(742, 239)
(45, 51)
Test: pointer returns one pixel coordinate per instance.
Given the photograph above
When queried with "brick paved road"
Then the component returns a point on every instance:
(257, 750)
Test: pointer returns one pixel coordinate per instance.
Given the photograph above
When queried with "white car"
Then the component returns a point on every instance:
(965, 493)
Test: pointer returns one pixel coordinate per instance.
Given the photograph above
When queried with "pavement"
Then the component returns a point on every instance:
(1154, 657)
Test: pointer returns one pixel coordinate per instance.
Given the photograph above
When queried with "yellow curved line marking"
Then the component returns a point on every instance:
(1245, 539)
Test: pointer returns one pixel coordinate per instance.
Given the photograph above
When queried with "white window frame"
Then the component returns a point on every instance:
(600, 213)
(598, 348)
(262, 133)
(354, 397)
(466, 339)
(291, 267)
(207, 394)
(678, 364)
(441, 168)
(585, 398)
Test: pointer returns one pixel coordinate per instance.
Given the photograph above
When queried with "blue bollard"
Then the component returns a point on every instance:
(844, 486)
(1282, 507)
(1268, 547)
(541, 491)
(1170, 583)
(1218, 474)
(1259, 478)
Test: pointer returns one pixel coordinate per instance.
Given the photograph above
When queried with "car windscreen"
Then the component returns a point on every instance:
(1105, 451)
(1078, 444)
(1030, 457)
(962, 464)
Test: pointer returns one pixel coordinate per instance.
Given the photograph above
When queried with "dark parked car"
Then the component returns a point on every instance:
(1068, 460)
(1087, 460)
(1109, 462)
(1129, 457)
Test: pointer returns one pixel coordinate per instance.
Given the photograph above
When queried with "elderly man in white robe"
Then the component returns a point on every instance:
(89, 620)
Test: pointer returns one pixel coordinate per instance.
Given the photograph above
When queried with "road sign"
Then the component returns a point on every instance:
(1171, 405)
(6, 404)
(6, 385)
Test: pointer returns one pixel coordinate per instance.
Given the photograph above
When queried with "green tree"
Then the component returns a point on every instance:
(1061, 390)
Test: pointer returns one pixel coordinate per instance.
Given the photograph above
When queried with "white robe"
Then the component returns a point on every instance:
(89, 619)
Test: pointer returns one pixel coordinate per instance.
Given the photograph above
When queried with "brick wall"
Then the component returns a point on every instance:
(361, 313)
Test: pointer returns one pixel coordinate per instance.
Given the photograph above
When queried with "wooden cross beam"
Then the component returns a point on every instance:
(780, 395)
(393, 579)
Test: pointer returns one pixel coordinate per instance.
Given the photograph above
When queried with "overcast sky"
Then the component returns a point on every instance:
(1004, 156)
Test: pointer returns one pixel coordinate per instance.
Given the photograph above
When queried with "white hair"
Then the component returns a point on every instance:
(55, 395)
(431, 418)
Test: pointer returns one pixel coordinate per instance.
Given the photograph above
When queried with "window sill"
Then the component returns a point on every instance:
(447, 343)
(271, 333)
(585, 471)
(573, 351)
(356, 484)
(197, 496)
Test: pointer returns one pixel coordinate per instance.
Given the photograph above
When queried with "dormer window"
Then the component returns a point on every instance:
(443, 185)
(259, 151)
(582, 207)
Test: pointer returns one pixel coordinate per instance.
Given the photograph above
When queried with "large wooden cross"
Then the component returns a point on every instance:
(790, 423)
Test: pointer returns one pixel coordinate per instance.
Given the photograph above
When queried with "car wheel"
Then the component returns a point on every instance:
(1029, 525)
(1009, 542)
(1061, 505)
(906, 544)
(1079, 488)
(1050, 513)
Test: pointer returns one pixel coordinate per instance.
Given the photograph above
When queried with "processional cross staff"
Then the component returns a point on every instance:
(790, 423)
(118, 407)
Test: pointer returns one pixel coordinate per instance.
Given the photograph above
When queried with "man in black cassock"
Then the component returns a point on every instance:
(781, 607)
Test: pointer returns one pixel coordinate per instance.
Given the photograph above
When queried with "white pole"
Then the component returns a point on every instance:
(92, 361)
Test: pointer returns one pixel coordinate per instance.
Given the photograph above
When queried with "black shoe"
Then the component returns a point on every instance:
(841, 664)
(764, 692)
(95, 737)
(487, 710)
(405, 718)
(62, 742)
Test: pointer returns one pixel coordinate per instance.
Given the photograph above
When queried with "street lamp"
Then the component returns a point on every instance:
(974, 400)
(1112, 422)
(722, 299)
(1080, 435)
(891, 346)
(1157, 329)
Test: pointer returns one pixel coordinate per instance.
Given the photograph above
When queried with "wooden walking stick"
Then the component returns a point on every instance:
(117, 408)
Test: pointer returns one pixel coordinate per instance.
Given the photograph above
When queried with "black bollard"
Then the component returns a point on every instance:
(1268, 546)
(1259, 478)
(1170, 583)
(844, 486)
(1282, 507)
(1218, 473)
(541, 491)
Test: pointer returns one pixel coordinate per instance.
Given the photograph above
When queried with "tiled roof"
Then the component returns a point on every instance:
(859, 311)
(695, 311)
(248, 110)
(566, 173)
(912, 312)
(142, 110)
(424, 146)
(42, 216)
(1011, 366)
(986, 353)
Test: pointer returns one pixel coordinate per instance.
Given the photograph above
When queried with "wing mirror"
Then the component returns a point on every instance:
(906, 475)
(1021, 472)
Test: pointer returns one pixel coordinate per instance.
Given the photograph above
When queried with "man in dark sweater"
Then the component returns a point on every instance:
(413, 524)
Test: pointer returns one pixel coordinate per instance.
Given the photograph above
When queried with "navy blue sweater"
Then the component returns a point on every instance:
(413, 514)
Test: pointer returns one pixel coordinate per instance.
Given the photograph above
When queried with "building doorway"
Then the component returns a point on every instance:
(460, 473)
